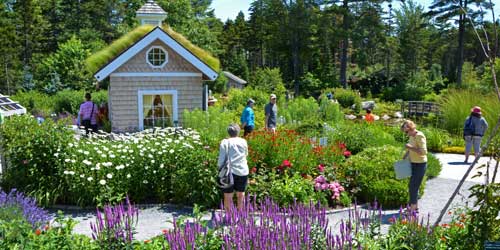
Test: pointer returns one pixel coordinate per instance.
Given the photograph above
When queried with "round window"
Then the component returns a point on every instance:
(157, 57)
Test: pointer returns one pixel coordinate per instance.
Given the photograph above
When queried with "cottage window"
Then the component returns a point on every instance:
(157, 108)
(157, 57)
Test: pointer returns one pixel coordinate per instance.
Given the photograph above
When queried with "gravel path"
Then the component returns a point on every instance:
(153, 219)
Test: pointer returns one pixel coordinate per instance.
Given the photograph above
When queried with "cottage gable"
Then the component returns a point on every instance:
(175, 63)
(156, 35)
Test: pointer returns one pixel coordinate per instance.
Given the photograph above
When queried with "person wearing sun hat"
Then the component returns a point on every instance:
(271, 111)
(474, 128)
(248, 118)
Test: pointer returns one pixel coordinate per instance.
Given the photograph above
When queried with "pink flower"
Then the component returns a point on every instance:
(321, 168)
(320, 179)
(317, 186)
(253, 170)
(324, 186)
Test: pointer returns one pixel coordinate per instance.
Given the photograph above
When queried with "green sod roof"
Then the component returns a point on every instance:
(101, 58)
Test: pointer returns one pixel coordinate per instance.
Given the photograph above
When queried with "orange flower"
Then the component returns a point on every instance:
(392, 220)
(444, 225)
(38, 231)
(443, 238)
(404, 221)
(147, 241)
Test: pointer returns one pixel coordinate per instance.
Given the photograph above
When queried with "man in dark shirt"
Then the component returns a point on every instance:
(271, 111)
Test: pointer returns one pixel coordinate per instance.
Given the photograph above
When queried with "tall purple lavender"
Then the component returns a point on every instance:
(115, 225)
(16, 205)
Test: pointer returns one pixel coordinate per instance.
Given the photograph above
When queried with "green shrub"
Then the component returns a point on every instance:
(213, 122)
(268, 80)
(285, 191)
(437, 139)
(433, 166)
(301, 110)
(70, 100)
(35, 102)
(31, 151)
(372, 172)
(347, 98)
(359, 136)
(330, 111)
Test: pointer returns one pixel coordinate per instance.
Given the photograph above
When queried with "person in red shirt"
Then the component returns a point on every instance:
(369, 117)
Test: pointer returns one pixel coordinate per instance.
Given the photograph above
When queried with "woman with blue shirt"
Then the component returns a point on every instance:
(248, 118)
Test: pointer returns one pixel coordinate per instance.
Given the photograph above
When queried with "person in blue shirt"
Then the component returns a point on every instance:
(248, 118)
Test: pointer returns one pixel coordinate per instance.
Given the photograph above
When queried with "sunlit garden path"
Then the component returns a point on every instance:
(155, 218)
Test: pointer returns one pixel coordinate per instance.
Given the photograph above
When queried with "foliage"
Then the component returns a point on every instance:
(41, 104)
(484, 222)
(16, 206)
(310, 85)
(213, 122)
(285, 191)
(300, 110)
(68, 64)
(372, 173)
(437, 139)
(99, 59)
(409, 231)
(268, 80)
(456, 106)
(329, 110)
(32, 152)
(161, 164)
(360, 136)
(115, 226)
(347, 98)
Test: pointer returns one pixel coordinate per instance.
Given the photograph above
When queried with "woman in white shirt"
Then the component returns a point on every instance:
(236, 149)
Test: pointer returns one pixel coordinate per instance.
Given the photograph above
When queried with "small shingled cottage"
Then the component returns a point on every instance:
(234, 81)
(154, 74)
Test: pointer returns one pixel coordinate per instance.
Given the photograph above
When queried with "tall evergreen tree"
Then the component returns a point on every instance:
(446, 10)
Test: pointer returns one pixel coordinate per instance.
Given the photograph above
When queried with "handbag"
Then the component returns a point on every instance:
(403, 167)
(225, 175)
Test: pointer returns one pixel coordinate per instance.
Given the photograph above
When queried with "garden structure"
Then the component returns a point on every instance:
(234, 81)
(154, 73)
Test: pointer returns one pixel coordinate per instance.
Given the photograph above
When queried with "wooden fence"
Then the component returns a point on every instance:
(419, 108)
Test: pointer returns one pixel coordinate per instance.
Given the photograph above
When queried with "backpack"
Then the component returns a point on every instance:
(469, 128)
(225, 175)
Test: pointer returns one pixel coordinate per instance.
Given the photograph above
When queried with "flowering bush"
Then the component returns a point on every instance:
(16, 206)
(31, 151)
(332, 188)
(161, 164)
(286, 149)
(114, 227)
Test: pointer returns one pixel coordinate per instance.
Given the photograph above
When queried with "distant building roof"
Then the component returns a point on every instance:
(150, 8)
(9, 107)
(234, 78)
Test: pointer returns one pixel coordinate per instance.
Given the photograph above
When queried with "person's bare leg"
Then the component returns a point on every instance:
(413, 207)
(228, 201)
(240, 196)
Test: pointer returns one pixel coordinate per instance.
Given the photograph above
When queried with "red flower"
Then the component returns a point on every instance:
(38, 231)
(347, 153)
(253, 170)
(164, 231)
(286, 163)
(342, 146)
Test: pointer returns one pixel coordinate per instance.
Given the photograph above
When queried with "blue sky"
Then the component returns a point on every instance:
(225, 9)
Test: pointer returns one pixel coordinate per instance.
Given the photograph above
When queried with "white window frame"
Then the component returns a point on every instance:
(164, 51)
(140, 106)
